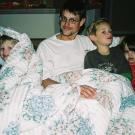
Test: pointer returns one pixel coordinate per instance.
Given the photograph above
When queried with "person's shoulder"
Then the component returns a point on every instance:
(91, 55)
(82, 37)
(46, 41)
(117, 52)
(116, 49)
(93, 52)
(86, 42)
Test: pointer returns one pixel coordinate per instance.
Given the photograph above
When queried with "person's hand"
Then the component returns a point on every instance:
(87, 92)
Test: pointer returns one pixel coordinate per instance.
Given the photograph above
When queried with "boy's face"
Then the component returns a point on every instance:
(103, 36)
(5, 49)
(129, 54)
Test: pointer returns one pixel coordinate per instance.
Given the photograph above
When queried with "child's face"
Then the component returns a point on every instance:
(103, 36)
(129, 54)
(5, 49)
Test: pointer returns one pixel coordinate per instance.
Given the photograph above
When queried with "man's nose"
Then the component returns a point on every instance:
(67, 22)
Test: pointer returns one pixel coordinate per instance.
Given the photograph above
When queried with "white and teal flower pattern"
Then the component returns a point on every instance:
(12, 129)
(38, 108)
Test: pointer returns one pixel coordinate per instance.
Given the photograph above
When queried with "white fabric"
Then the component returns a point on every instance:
(59, 109)
(116, 41)
(1, 61)
(52, 51)
(60, 56)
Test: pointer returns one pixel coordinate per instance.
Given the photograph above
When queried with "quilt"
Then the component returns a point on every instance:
(26, 108)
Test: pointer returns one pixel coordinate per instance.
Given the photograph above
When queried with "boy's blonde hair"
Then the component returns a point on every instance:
(5, 38)
(91, 30)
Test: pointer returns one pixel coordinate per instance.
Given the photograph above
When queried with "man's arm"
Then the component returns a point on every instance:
(85, 91)
(48, 82)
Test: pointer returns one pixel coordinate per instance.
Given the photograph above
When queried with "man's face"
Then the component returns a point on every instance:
(70, 24)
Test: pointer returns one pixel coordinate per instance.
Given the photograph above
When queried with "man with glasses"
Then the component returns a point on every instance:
(65, 51)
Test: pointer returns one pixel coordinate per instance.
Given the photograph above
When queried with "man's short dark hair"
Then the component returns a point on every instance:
(77, 7)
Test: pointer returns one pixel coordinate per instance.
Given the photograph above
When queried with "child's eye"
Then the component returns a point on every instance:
(10, 48)
(103, 31)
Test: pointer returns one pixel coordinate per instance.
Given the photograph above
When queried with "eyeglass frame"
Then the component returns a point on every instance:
(69, 20)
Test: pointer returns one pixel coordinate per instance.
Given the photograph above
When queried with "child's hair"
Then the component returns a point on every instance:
(130, 42)
(92, 28)
(7, 38)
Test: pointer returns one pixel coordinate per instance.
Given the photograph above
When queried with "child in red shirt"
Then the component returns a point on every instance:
(128, 46)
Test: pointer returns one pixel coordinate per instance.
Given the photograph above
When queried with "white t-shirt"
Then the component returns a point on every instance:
(60, 56)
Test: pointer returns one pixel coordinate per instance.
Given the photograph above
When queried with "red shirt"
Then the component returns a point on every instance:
(132, 65)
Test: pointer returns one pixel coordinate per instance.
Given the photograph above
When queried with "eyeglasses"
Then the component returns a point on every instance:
(70, 20)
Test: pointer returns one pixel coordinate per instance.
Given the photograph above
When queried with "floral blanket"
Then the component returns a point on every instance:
(26, 108)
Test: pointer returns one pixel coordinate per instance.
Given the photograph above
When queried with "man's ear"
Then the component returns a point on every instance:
(82, 22)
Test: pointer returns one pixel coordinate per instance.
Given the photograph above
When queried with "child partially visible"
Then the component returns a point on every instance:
(105, 58)
(128, 46)
(6, 44)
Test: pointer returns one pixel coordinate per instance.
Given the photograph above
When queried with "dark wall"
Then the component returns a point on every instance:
(58, 3)
(121, 13)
